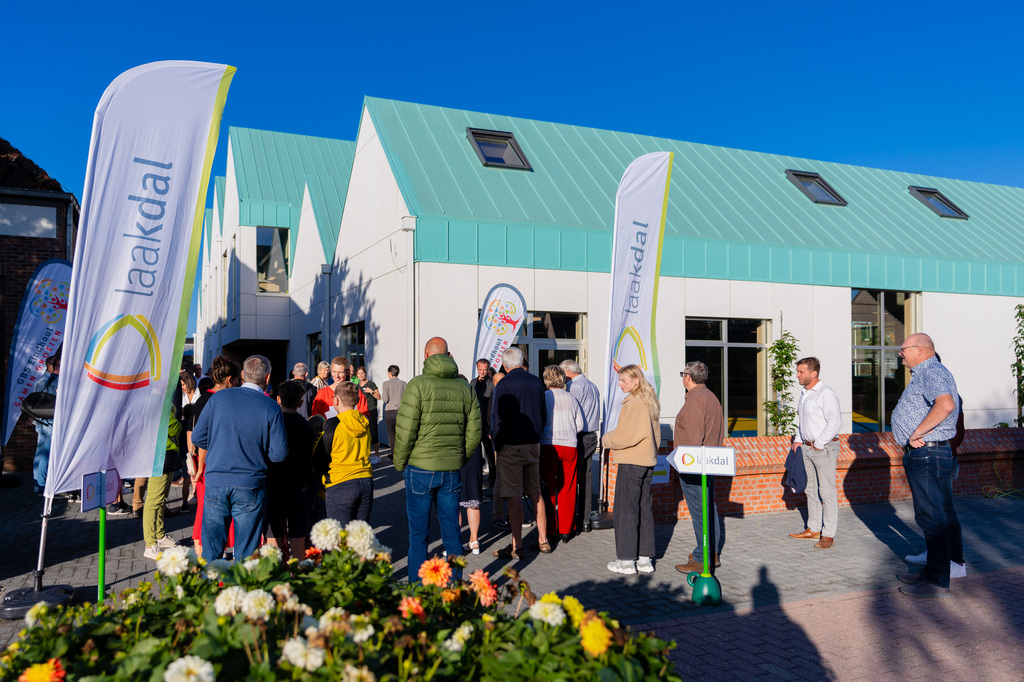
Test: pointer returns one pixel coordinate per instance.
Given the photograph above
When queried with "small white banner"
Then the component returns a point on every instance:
(38, 334)
(687, 459)
(501, 316)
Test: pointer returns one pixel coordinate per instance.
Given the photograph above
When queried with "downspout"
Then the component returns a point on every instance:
(409, 227)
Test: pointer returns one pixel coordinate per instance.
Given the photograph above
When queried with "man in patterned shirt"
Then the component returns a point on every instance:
(923, 422)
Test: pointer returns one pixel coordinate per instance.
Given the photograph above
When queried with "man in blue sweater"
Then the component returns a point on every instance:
(242, 430)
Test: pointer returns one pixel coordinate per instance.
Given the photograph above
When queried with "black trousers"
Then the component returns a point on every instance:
(586, 446)
(633, 513)
(390, 418)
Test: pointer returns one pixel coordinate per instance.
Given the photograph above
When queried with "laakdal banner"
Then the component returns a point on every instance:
(503, 313)
(37, 335)
(153, 142)
(640, 206)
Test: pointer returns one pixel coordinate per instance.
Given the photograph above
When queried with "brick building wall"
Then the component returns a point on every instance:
(869, 470)
(19, 257)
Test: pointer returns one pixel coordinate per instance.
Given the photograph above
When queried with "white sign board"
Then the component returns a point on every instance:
(100, 489)
(695, 459)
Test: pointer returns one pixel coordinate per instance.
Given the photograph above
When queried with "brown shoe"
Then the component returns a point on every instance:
(691, 567)
(824, 543)
(805, 535)
(700, 561)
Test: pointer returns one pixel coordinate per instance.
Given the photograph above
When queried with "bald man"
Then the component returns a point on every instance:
(923, 423)
(438, 427)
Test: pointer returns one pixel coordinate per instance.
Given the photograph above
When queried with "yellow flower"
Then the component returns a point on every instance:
(575, 610)
(594, 636)
(551, 598)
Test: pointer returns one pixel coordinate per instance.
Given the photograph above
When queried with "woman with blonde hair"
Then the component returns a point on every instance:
(634, 444)
(323, 370)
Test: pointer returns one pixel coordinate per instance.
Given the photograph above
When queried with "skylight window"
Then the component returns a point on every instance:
(938, 203)
(497, 148)
(815, 188)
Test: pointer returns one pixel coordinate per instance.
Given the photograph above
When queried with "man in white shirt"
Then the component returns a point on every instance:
(820, 420)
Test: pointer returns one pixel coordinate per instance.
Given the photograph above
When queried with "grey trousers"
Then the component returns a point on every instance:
(694, 496)
(822, 498)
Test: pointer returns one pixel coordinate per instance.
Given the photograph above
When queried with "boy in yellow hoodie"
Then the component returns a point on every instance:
(342, 457)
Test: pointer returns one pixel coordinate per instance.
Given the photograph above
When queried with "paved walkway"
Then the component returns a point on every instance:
(790, 611)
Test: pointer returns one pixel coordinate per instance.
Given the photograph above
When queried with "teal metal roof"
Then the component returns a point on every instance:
(271, 170)
(732, 214)
(219, 183)
(327, 194)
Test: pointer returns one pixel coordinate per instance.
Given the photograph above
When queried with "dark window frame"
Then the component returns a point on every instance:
(510, 138)
(922, 194)
(798, 177)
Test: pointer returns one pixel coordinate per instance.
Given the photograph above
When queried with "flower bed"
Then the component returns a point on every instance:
(336, 615)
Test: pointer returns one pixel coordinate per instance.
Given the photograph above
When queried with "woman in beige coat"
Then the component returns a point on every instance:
(634, 442)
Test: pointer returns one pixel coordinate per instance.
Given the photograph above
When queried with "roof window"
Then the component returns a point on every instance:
(815, 188)
(497, 148)
(938, 203)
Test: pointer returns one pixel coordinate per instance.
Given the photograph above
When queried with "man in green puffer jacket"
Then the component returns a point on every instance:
(437, 429)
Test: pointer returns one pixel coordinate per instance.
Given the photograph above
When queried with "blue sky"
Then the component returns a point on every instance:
(932, 89)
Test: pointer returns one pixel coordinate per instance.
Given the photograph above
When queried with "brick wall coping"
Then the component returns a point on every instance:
(767, 454)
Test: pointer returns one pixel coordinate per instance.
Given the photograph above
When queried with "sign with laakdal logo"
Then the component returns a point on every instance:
(37, 335)
(153, 141)
(640, 207)
(696, 459)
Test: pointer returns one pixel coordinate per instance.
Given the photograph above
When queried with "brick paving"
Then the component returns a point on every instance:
(789, 611)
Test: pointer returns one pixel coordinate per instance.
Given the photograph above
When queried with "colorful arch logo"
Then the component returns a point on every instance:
(634, 339)
(124, 382)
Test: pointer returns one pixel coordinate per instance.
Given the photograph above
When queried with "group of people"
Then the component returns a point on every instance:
(264, 469)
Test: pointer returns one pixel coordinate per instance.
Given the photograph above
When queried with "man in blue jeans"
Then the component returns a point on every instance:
(437, 429)
(242, 430)
(923, 423)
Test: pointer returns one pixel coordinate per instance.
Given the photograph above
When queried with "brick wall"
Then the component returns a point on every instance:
(19, 257)
(869, 470)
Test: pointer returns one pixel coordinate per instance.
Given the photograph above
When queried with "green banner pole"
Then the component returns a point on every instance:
(704, 499)
(101, 588)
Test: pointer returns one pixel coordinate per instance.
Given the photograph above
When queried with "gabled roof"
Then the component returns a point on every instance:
(17, 171)
(271, 170)
(732, 214)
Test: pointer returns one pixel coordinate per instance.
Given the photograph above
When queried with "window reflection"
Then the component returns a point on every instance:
(879, 329)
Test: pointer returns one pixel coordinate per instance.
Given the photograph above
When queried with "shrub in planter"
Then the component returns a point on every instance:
(336, 615)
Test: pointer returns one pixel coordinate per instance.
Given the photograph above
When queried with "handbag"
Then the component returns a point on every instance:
(40, 405)
(191, 463)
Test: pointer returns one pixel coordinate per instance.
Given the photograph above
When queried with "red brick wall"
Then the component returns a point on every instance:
(869, 469)
(19, 257)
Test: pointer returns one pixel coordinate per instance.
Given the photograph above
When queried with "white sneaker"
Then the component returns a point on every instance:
(165, 542)
(957, 570)
(645, 565)
(473, 547)
(622, 566)
(152, 552)
(374, 460)
(921, 558)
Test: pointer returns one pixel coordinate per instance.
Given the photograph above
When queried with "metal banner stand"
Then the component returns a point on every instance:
(601, 518)
(16, 603)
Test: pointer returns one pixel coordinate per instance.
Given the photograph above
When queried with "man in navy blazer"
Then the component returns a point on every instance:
(242, 430)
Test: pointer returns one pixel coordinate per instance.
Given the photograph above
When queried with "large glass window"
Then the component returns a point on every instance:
(272, 259)
(548, 338)
(735, 352)
(314, 352)
(20, 220)
(879, 321)
(353, 341)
